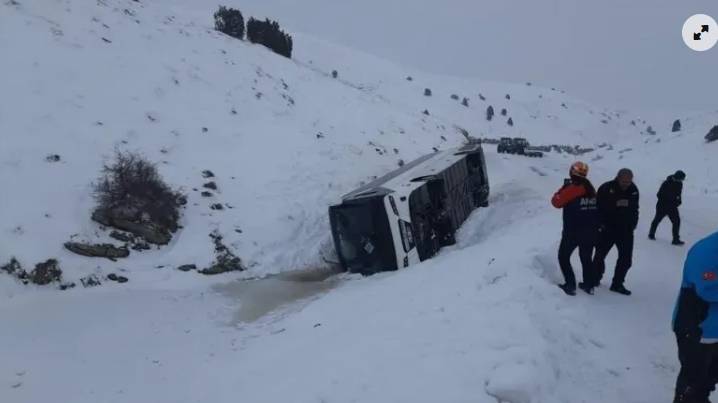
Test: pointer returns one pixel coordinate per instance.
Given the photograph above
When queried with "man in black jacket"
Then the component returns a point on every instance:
(669, 198)
(618, 212)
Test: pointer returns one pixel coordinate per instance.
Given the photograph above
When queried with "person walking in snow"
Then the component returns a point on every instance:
(669, 198)
(618, 213)
(695, 323)
(577, 198)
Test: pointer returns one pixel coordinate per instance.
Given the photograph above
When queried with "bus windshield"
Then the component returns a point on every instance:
(363, 237)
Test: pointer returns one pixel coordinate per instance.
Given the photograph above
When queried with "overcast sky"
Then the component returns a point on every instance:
(619, 53)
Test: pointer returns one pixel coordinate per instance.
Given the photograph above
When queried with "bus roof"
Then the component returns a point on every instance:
(412, 175)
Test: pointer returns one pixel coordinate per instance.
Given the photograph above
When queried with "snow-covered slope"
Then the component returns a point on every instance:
(483, 322)
(283, 137)
(592, 49)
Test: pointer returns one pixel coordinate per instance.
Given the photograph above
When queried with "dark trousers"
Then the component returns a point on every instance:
(569, 243)
(623, 240)
(672, 213)
(699, 371)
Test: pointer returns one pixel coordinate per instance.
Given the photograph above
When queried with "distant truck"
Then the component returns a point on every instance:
(407, 215)
(516, 145)
(505, 144)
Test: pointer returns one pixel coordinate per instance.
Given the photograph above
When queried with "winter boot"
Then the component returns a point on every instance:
(588, 289)
(568, 289)
(678, 242)
(619, 288)
(652, 237)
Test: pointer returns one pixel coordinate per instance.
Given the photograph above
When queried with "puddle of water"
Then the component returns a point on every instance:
(258, 297)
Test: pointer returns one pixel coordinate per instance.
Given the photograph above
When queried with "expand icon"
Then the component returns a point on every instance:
(700, 32)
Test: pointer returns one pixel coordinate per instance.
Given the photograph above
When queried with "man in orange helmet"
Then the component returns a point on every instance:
(577, 198)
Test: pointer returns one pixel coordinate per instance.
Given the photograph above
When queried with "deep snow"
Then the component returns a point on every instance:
(482, 322)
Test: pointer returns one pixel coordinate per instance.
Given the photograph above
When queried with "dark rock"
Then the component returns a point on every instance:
(205, 130)
(676, 126)
(712, 135)
(46, 273)
(481, 97)
(140, 246)
(217, 206)
(489, 113)
(508, 96)
(210, 185)
(400, 163)
(335, 74)
(66, 286)
(465, 102)
(12, 267)
(510, 122)
(90, 281)
(650, 131)
(121, 236)
(504, 112)
(223, 266)
(150, 232)
(207, 174)
(52, 158)
(115, 277)
(454, 97)
(426, 112)
(105, 250)
(225, 260)
(187, 267)
(206, 194)
(102, 216)
(427, 92)
(182, 200)
(409, 78)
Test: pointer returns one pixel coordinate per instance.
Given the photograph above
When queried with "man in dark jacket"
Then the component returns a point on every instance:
(577, 198)
(669, 198)
(695, 323)
(618, 212)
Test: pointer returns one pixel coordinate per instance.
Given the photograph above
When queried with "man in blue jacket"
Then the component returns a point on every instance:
(695, 323)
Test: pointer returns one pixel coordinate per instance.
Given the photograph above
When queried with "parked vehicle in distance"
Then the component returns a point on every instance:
(505, 143)
(533, 152)
(515, 145)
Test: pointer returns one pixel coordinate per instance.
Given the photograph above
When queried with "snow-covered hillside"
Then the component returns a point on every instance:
(283, 138)
(482, 322)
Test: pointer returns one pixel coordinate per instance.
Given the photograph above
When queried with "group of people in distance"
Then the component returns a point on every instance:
(595, 221)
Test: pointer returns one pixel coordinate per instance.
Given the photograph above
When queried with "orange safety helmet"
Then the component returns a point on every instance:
(579, 168)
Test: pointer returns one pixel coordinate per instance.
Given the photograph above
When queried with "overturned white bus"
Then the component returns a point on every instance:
(407, 215)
